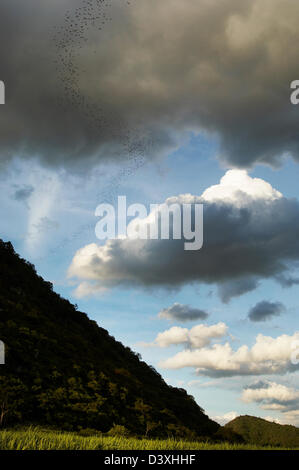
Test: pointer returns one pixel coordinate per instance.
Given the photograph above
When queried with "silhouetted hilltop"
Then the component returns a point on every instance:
(262, 432)
(62, 369)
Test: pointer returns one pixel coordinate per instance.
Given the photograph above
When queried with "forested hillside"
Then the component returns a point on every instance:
(262, 432)
(63, 370)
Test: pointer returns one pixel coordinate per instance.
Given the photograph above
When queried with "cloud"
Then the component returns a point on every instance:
(23, 193)
(287, 281)
(272, 396)
(45, 198)
(265, 310)
(273, 420)
(45, 224)
(267, 356)
(236, 288)
(183, 313)
(251, 232)
(50, 115)
(291, 417)
(96, 80)
(197, 337)
(225, 418)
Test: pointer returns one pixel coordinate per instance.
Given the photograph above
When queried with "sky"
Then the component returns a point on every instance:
(163, 101)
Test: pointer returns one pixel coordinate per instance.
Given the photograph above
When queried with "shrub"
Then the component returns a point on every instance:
(119, 431)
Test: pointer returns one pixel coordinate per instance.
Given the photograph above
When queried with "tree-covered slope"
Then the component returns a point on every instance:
(262, 432)
(62, 369)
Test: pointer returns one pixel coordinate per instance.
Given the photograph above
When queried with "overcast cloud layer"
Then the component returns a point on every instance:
(88, 81)
(251, 232)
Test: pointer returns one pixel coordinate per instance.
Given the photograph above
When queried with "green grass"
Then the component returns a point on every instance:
(35, 438)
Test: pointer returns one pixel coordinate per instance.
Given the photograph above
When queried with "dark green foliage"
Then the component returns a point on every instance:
(63, 370)
(262, 432)
(119, 431)
(226, 434)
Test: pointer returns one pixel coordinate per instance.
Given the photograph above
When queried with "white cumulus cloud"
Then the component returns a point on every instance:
(267, 356)
(197, 337)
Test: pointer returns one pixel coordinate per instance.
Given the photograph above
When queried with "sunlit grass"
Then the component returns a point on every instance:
(35, 438)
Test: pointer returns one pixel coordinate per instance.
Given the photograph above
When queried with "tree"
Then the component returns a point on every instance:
(12, 397)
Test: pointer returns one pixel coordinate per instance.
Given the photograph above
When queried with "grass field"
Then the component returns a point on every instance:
(34, 438)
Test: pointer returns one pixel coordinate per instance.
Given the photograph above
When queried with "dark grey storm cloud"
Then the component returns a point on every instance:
(93, 80)
(265, 310)
(182, 313)
(48, 115)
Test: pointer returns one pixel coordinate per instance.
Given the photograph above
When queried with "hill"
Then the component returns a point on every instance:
(63, 370)
(262, 432)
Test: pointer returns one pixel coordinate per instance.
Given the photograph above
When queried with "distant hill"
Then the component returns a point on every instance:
(63, 370)
(262, 432)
